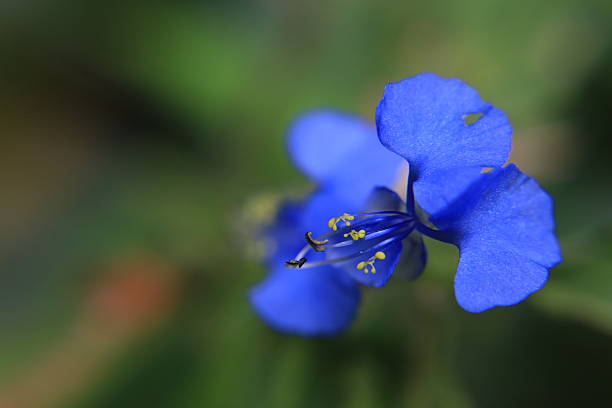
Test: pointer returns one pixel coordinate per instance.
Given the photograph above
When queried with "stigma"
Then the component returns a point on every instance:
(360, 239)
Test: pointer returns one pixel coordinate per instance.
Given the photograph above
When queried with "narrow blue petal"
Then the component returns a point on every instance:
(504, 228)
(414, 257)
(422, 119)
(384, 199)
(309, 302)
(413, 253)
(342, 152)
(384, 267)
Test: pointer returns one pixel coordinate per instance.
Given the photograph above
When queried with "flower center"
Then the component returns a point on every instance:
(363, 238)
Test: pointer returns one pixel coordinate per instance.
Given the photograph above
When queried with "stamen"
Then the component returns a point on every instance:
(355, 235)
(316, 245)
(370, 235)
(368, 266)
(376, 247)
(296, 264)
(346, 217)
(395, 229)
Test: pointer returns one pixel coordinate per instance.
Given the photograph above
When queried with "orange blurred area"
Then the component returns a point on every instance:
(131, 297)
(132, 294)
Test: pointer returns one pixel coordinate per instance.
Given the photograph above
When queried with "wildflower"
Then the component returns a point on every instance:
(458, 191)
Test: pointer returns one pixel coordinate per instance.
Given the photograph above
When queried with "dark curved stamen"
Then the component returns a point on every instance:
(315, 244)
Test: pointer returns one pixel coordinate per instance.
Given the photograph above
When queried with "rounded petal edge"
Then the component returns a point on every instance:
(316, 302)
(442, 126)
(504, 227)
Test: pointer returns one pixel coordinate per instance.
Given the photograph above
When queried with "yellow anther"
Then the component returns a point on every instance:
(346, 217)
(368, 266)
(332, 223)
(355, 234)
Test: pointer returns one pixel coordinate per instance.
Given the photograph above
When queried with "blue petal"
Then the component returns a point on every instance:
(504, 228)
(309, 302)
(422, 119)
(342, 153)
(436, 191)
(414, 257)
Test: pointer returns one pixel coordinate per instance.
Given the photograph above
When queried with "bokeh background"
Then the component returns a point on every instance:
(142, 143)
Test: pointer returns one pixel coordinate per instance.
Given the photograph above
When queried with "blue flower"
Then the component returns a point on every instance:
(355, 230)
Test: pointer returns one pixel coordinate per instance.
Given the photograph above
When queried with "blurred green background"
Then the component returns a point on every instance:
(141, 143)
